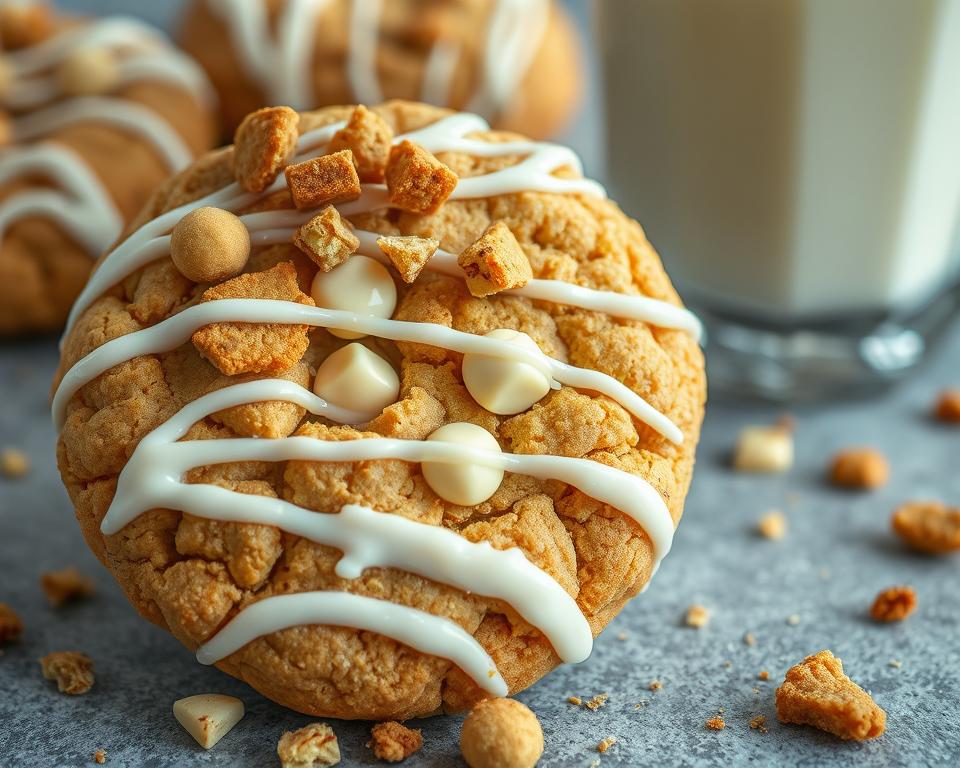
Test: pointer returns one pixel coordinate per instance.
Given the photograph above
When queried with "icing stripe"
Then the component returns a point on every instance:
(362, 51)
(421, 631)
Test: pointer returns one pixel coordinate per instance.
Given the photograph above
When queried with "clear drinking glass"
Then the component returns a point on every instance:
(797, 164)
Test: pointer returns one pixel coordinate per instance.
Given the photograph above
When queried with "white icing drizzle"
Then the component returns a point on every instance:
(439, 71)
(362, 51)
(420, 630)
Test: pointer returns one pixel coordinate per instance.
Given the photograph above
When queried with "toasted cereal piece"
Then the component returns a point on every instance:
(495, 262)
(697, 616)
(716, 723)
(208, 717)
(263, 143)
(369, 137)
(501, 733)
(14, 463)
(894, 604)
(327, 239)
(859, 468)
(928, 526)
(816, 692)
(72, 670)
(313, 746)
(416, 180)
(408, 254)
(948, 407)
(65, 586)
(773, 525)
(764, 449)
(236, 348)
(394, 742)
(100, 756)
(325, 179)
(24, 24)
(11, 627)
(209, 245)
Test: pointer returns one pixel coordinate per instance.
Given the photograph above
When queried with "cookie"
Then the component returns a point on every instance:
(96, 114)
(515, 62)
(293, 472)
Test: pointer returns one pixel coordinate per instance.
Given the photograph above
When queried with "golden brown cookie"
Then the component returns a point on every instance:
(280, 535)
(516, 62)
(98, 113)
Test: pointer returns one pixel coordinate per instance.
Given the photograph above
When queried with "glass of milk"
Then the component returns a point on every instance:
(797, 164)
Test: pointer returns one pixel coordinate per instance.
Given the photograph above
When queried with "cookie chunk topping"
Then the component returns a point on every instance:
(263, 144)
(495, 262)
(417, 181)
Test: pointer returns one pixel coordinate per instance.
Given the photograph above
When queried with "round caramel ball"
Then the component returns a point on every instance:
(87, 72)
(501, 733)
(209, 245)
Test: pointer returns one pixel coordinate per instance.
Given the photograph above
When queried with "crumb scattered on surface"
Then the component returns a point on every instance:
(697, 616)
(575, 700)
(11, 626)
(895, 663)
(394, 742)
(793, 619)
(313, 746)
(894, 604)
(622, 636)
(928, 526)
(65, 586)
(597, 701)
(759, 723)
(501, 733)
(817, 692)
(409, 255)
(100, 756)
(773, 525)
(749, 639)
(764, 449)
(72, 671)
(716, 723)
(327, 239)
(824, 574)
(14, 463)
(606, 743)
(655, 685)
(947, 409)
(859, 469)
(763, 675)
(727, 664)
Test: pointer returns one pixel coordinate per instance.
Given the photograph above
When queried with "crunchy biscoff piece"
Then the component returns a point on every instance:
(655, 685)
(501, 733)
(606, 743)
(859, 468)
(817, 692)
(14, 463)
(394, 742)
(369, 137)
(65, 586)
(697, 617)
(597, 701)
(763, 675)
(947, 409)
(764, 449)
(409, 255)
(773, 525)
(313, 746)
(759, 723)
(263, 143)
(416, 180)
(928, 526)
(72, 670)
(894, 604)
(716, 723)
(327, 239)
(325, 179)
(236, 348)
(100, 756)
(575, 700)
(11, 627)
(495, 262)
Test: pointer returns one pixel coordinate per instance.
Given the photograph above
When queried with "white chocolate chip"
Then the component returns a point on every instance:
(501, 385)
(464, 482)
(764, 449)
(355, 378)
(87, 72)
(208, 717)
(360, 285)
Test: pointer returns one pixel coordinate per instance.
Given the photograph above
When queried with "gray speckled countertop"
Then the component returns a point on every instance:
(838, 554)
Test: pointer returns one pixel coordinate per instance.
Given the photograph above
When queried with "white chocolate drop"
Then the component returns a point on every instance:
(360, 285)
(357, 379)
(463, 482)
(208, 717)
(505, 386)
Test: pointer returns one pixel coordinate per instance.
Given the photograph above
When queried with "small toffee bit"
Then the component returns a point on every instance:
(72, 670)
(773, 525)
(859, 469)
(697, 617)
(894, 604)
(763, 675)
(416, 180)
(14, 463)
(394, 742)
(409, 255)
(327, 239)
(928, 526)
(495, 262)
(11, 627)
(313, 746)
(66, 586)
(263, 143)
(764, 449)
(759, 723)
(947, 409)
(716, 723)
(321, 180)
(606, 743)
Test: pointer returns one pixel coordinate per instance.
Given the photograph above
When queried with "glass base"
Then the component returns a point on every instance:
(823, 359)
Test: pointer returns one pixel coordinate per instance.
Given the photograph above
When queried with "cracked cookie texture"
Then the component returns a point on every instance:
(192, 575)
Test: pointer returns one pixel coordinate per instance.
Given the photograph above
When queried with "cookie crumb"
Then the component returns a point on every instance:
(368, 137)
(859, 469)
(824, 574)
(655, 685)
(72, 670)
(501, 733)
(764, 449)
(896, 664)
(716, 723)
(817, 692)
(697, 617)
(495, 262)
(65, 586)
(763, 675)
(793, 619)
(948, 407)
(416, 180)
(100, 756)
(11, 626)
(773, 525)
(313, 746)
(622, 636)
(409, 255)
(928, 526)
(14, 463)
(597, 701)
(759, 723)
(327, 239)
(606, 743)
(324, 179)
(575, 700)
(749, 639)
(394, 742)
(894, 604)
(262, 145)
